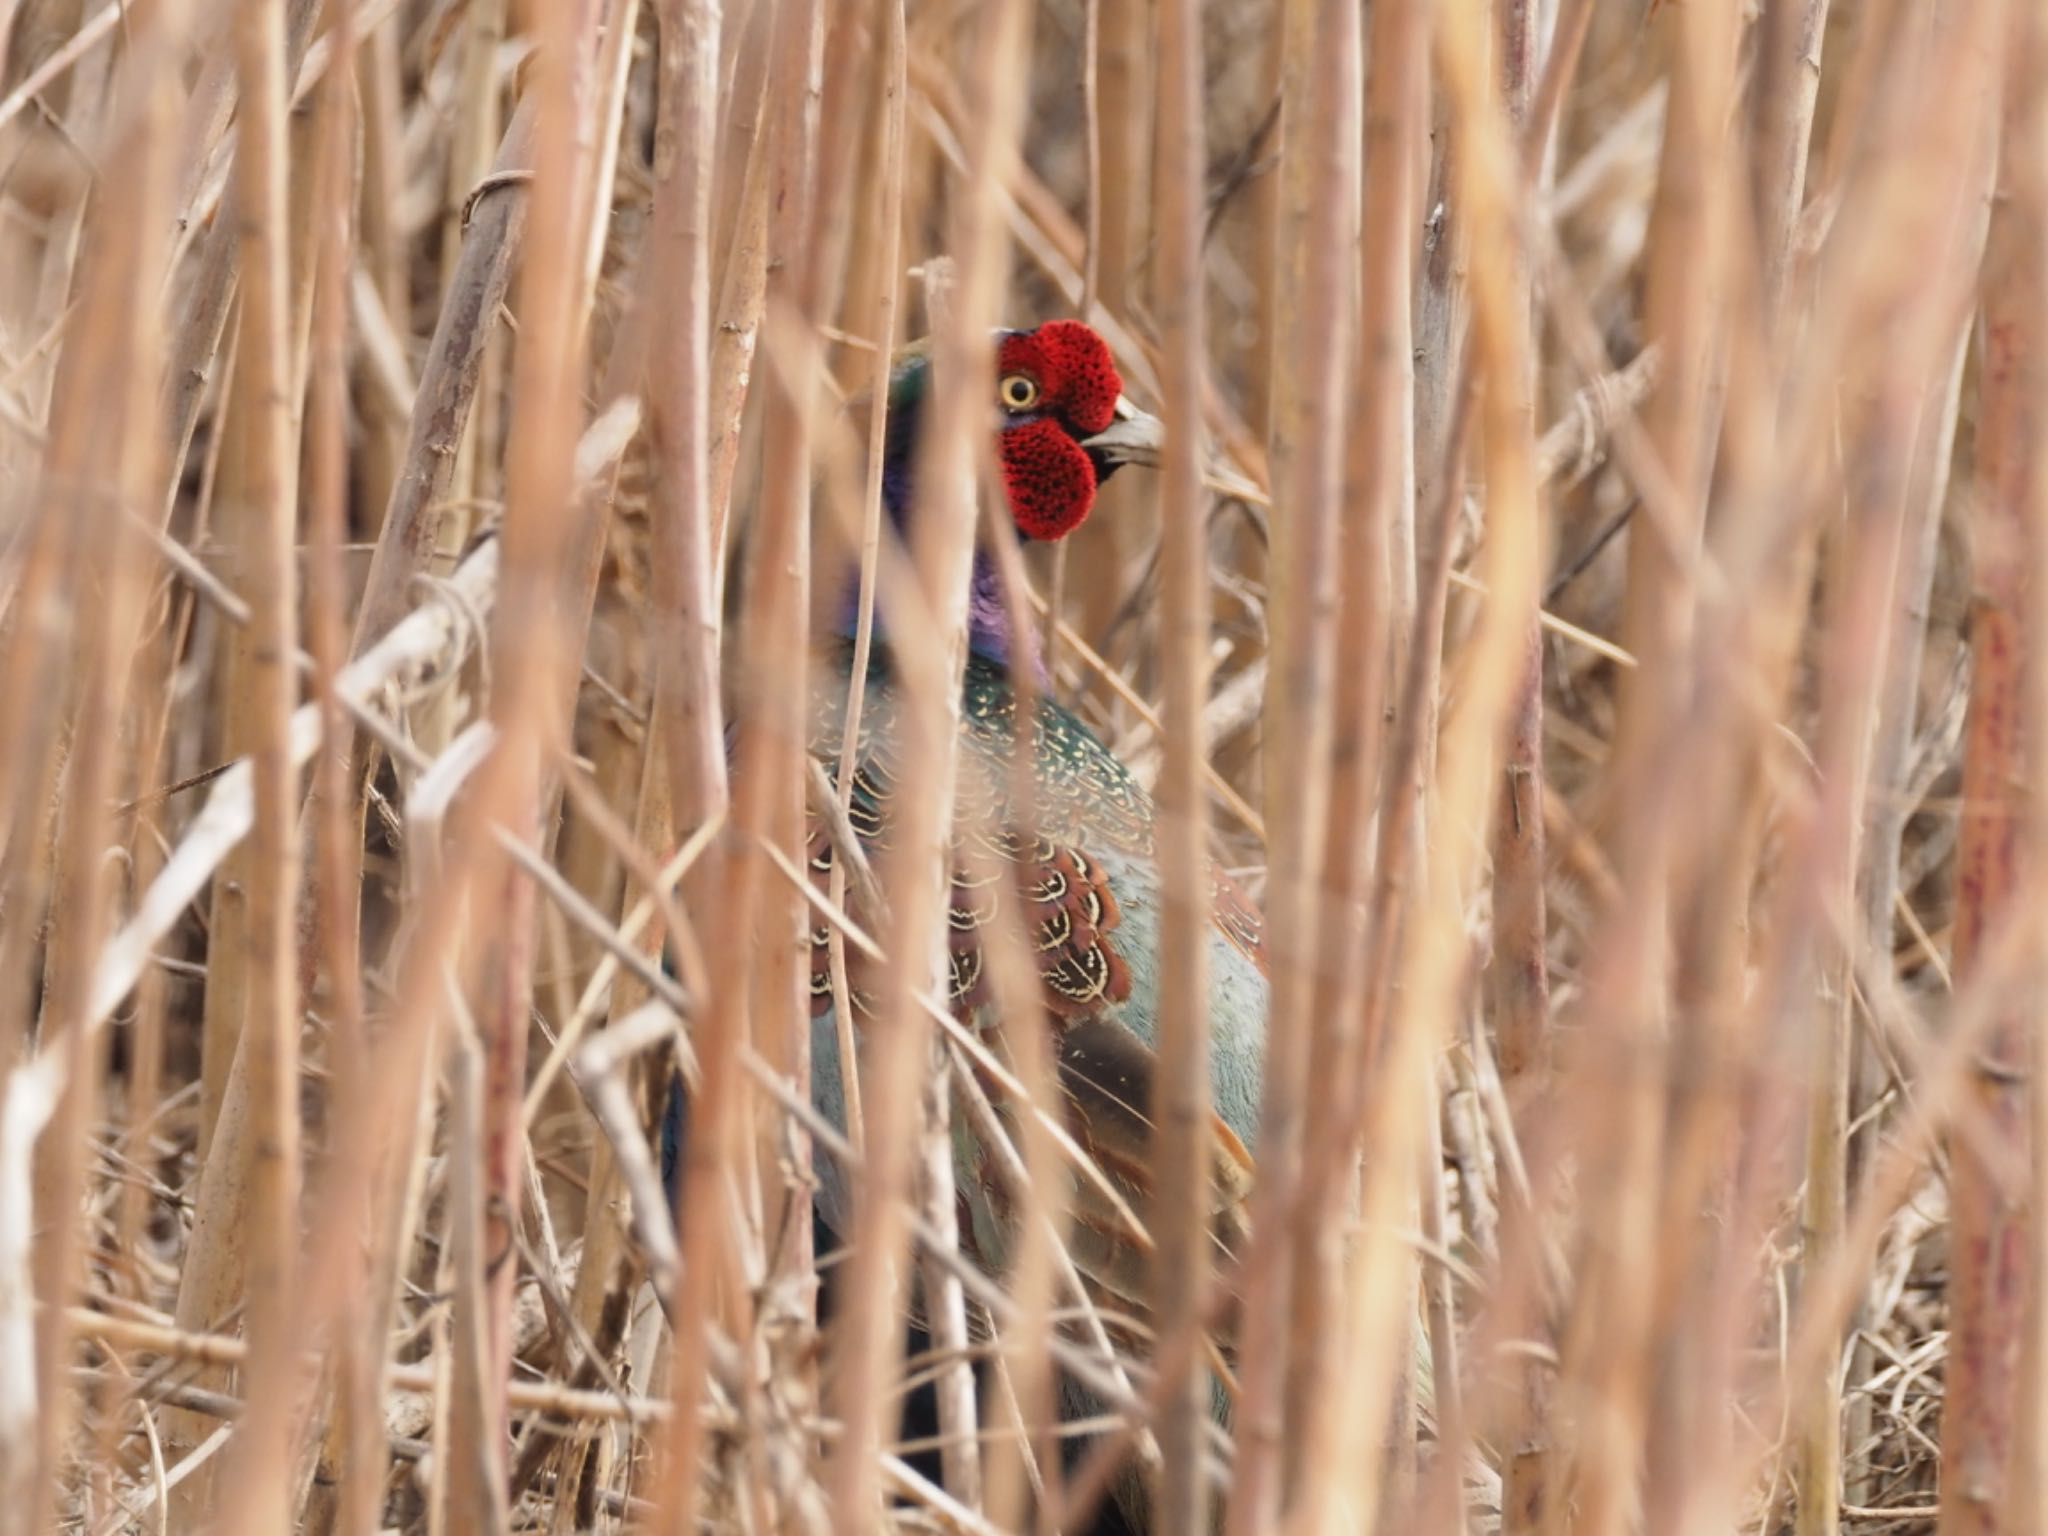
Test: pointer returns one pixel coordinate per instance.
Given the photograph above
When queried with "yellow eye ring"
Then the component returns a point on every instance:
(1017, 391)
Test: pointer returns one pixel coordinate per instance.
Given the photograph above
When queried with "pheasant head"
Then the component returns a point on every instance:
(1062, 428)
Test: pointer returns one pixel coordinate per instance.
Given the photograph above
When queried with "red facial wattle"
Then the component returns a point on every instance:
(1050, 478)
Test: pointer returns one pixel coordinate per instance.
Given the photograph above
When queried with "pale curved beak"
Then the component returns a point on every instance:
(1134, 437)
(1139, 437)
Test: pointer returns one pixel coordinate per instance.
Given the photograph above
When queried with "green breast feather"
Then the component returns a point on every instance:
(1082, 873)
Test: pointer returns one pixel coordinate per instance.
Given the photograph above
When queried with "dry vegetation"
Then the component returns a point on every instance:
(420, 435)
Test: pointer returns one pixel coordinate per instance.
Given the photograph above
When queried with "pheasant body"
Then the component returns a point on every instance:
(1077, 872)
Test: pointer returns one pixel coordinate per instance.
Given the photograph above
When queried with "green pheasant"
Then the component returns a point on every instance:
(1078, 876)
(1081, 878)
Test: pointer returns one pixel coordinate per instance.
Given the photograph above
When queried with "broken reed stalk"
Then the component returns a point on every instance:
(473, 142)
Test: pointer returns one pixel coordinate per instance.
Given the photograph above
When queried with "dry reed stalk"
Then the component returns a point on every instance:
(744, 71)
(1614, 1341)
(1123, 89)
(39, 623)
(742, 294)
(356, 1438)
(436, 635)
(1521, 982)
(1182, 1277)
(764, 985)
(407, 538)
(263, 401)
(1863, 585)
(891, 66)
(1117, 85)
(685, 640)
(1320, 175)
(1520, 963)
(227, 1350)
(1786, 86)
(1431, 971)
(104, 378)
(1889, 472)
(857, 36)
(1990, 1256)
(1879, 892)
(1711, 979)
(1946, 1078)
(91, 32)
(930, 653)
(1335, 1437)
(1091, 285)
(608, 1274)
(752, 989)
(1379, 488)
(1493, 694)
(1043, 1266)
(531, 662)
(2027, 1485)
(149, 718)
(78, 107)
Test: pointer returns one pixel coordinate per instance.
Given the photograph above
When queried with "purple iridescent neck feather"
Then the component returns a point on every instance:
(989, 633)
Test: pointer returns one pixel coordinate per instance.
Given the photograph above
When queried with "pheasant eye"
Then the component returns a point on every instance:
(1018, 391)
